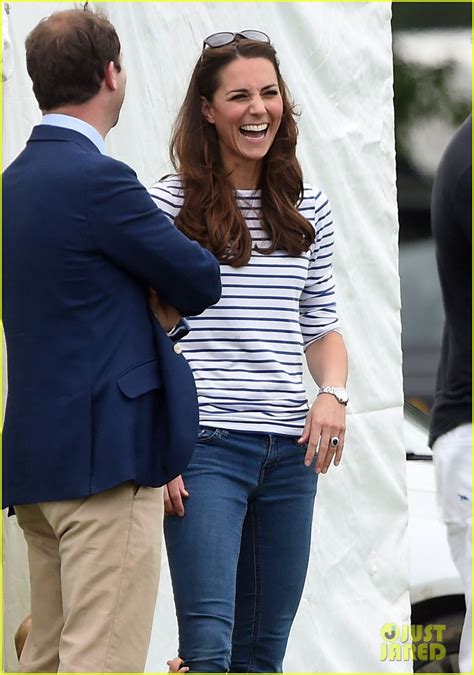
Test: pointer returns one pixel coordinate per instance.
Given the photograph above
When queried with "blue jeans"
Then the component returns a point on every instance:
(238, 557)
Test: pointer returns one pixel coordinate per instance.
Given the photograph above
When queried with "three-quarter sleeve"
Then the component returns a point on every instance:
(318, 314)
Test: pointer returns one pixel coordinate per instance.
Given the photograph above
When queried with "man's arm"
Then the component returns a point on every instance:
(136, 235)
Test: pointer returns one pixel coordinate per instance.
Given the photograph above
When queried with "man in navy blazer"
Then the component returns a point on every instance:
(101, 407)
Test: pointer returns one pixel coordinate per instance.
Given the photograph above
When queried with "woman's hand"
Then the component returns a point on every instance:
(174, 493)
(325, 420)
(167, 316)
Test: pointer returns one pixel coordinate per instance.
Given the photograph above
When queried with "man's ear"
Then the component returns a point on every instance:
(207, 110)
(110, 76)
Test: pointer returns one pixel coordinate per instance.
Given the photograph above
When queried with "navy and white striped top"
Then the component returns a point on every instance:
(246, 352)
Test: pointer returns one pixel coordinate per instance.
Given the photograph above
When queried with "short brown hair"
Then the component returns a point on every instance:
(67, 54)
(210, 213)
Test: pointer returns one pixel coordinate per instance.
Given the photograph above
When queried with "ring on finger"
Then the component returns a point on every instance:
(334, 442)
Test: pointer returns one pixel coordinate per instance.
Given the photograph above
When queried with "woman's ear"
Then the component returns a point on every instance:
(207, 110)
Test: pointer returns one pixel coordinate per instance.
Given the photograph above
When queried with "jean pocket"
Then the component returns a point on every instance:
(207, 434)
(303, 446)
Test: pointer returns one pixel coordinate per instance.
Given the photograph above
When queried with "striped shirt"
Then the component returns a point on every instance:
(246, 352)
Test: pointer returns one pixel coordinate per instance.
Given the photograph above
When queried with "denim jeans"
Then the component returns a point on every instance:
(238, 557)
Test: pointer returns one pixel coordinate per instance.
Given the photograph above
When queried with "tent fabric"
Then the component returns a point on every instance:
(341, 80)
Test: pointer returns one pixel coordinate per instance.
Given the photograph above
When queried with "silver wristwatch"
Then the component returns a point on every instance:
(339, 392)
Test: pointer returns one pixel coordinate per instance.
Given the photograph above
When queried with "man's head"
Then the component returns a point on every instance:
(68, 56)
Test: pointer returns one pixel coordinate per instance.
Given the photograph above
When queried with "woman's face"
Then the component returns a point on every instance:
(246, 110)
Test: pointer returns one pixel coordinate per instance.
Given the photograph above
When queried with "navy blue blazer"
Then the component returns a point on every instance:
(96, 393)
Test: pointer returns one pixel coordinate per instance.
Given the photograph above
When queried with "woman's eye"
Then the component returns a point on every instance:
(272, 92)
(238, 97)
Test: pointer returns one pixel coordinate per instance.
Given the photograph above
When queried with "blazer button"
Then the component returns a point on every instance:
(177, 348)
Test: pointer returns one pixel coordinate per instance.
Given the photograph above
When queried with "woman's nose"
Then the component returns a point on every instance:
(257, 106)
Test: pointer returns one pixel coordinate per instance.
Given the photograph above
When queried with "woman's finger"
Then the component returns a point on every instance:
(340, 448)
(333, 452)
(323, 448)
(307, 427)
(313, 442)
(327, 460)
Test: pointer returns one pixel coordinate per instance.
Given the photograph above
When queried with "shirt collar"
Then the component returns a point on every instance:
(74, 123)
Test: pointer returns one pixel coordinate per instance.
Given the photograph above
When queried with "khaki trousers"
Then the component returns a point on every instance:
(94, 572)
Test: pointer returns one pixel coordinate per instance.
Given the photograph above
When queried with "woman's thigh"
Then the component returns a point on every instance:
(273, 560)
(203, 546)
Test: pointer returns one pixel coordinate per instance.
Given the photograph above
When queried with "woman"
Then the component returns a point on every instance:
(238, 557)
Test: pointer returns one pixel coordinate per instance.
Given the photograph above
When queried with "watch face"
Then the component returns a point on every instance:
(342, 396)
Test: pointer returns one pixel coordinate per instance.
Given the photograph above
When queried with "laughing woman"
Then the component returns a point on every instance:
(238, 522)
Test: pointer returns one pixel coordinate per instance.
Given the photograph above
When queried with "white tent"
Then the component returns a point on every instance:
(336, 58)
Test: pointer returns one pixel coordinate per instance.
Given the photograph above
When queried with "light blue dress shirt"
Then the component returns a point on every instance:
(74, 123)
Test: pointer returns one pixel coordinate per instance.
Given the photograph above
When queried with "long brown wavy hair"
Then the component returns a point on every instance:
(210, 214)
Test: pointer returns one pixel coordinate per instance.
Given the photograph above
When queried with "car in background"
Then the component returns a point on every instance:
(422, 317)
(436, 593)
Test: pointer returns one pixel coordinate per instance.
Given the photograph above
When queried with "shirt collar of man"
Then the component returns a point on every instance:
(74, 123)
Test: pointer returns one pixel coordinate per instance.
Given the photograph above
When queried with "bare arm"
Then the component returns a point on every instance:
(327, 363)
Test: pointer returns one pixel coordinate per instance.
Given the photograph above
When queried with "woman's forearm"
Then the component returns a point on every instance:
(327, 360)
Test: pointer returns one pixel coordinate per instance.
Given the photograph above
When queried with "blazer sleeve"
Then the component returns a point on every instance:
(137, 236)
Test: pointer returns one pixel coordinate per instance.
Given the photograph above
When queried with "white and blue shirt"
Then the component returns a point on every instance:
(246, 352)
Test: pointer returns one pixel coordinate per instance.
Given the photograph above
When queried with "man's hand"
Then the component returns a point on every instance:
(167, 316)
(175, 666)
(175, 492)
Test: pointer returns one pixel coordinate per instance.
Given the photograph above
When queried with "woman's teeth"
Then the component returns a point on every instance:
(254, 130)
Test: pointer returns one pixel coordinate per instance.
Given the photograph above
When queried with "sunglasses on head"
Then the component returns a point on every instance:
(222, 39)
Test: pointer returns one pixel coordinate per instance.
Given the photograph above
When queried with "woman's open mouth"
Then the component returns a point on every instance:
(254, 131)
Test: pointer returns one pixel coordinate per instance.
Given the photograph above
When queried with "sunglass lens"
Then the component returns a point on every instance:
(219, 39)
(255, 35)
